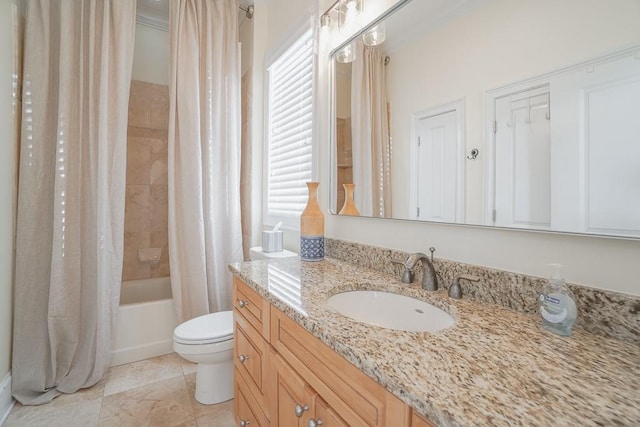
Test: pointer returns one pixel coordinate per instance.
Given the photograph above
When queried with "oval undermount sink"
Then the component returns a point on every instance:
(390, 310)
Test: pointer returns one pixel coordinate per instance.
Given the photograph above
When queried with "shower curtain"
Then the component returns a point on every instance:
(77, 70)
(204, 154)
(371, 142)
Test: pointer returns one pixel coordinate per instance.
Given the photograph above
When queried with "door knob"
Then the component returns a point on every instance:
(242, 303)
(314, 423)
(244, 423)
(243, 358)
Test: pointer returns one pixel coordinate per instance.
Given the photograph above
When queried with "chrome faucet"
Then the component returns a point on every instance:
(429, 278)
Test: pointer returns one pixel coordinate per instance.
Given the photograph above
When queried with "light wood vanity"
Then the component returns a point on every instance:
(285, 377)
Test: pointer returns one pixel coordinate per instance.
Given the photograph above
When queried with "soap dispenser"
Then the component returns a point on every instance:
(557, 304)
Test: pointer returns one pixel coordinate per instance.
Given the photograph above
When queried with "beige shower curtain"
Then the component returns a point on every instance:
(77, 70)
(204, 154)
(371, 142)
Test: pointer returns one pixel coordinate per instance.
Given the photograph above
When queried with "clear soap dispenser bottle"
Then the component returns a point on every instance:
(557, 304)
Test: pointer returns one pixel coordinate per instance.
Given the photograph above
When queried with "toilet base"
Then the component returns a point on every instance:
(214, 383)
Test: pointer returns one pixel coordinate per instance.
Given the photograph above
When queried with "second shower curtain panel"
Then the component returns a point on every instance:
(204, 154)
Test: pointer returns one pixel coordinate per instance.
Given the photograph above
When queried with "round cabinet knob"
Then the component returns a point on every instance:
(242, 303)
(244, 423)
(243, 358)
(314, 423)
(300, 410)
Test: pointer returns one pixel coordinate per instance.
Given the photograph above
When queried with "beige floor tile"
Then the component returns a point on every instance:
(144, 372)
(78, 414)
(164, 403)
(218, 419)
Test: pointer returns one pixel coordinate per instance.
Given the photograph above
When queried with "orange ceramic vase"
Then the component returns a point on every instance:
(312, 227)
(349, 207)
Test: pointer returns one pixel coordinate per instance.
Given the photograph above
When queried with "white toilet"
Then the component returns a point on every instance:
(208, 341)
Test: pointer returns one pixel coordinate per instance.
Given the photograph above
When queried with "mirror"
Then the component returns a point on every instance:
(493, 112)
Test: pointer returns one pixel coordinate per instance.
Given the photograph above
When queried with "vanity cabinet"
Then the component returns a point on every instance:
(287, 377)
(355, 397)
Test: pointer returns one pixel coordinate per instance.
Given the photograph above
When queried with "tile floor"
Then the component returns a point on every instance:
(153, 392)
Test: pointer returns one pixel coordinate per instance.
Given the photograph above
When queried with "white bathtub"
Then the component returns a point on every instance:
(145, 323)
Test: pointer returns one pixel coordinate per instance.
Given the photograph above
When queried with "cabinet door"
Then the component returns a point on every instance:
(325, 416)
(247, 410)
(291, 398)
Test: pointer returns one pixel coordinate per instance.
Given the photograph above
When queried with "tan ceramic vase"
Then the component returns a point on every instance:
(349, 207)
(312, 227)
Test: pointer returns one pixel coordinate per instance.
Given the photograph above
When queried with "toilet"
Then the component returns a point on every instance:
(208, 341)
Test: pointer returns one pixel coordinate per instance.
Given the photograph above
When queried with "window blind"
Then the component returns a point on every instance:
(289, 131)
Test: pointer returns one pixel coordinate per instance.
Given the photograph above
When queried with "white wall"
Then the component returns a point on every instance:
(151, 55)
(7, 165)
(464, 59)
(592, 261)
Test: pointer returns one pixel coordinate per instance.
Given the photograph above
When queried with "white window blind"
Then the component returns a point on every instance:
(289, 132)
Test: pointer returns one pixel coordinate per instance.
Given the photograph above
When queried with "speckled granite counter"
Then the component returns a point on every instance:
(493, 367)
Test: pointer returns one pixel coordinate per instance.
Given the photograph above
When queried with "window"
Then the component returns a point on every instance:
(288, 153)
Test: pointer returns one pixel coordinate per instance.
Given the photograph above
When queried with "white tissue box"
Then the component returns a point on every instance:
(272, 241)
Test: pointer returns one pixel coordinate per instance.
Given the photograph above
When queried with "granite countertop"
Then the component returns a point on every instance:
(493, 367)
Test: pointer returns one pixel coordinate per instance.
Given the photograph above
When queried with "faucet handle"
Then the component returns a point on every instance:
(455, 290)
(407, 274)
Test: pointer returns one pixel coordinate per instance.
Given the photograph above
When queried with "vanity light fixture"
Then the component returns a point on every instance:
(325, 20)
(374, 36)
(348, 12)
(347, 54)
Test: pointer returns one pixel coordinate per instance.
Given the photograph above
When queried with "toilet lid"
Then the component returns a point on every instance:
(207, 329)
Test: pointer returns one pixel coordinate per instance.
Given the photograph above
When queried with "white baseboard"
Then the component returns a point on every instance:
(141, 352)
(6, 401)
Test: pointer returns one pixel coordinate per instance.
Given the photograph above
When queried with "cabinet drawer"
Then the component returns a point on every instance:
(250, 358)
(246, 408)
(250, 354)
(251, 306)
(358, 399)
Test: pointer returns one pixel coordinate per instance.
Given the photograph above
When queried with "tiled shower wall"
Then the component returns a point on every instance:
(145, 223)
(345, 158)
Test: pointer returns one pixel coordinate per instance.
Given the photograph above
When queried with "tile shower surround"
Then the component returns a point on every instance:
(146, 209)
(600, 312)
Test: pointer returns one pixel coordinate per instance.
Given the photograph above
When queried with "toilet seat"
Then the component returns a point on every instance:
(207, 329)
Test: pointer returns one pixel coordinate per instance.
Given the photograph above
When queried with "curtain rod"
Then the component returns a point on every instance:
(248, 11)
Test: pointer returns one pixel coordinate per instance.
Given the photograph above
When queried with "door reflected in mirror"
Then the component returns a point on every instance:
(497, 113)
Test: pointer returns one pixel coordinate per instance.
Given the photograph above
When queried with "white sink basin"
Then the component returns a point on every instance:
(390, 310)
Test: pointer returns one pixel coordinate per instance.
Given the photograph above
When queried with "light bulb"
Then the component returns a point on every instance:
(346, 54)
(375, 36)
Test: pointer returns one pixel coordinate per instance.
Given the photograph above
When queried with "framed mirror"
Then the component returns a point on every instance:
(492, 112)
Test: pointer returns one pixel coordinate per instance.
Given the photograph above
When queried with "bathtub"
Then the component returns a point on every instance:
(145, 322)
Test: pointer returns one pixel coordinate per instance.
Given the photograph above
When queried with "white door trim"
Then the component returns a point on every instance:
(490, 98)
(456, 106)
